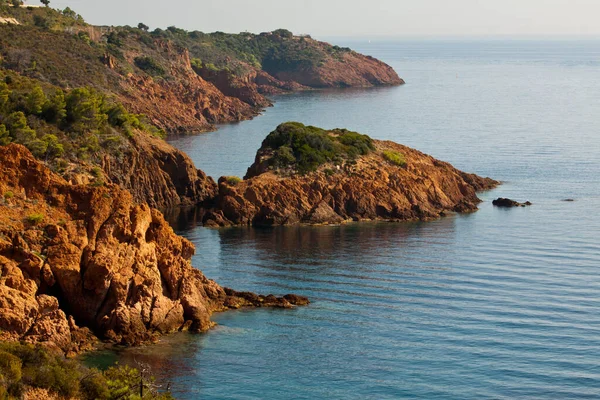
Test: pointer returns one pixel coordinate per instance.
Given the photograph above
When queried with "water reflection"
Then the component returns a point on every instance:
(184, 219)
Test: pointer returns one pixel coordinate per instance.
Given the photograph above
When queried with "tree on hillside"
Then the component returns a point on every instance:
(45, 2)
(4, 136)
(17, 3)
(35, 100)
(67, 12)
(143, 26)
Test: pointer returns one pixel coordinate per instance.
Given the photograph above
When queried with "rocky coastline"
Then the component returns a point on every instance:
(79, 262)
(184, 82)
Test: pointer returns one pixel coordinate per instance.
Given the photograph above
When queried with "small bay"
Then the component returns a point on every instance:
(497, 304)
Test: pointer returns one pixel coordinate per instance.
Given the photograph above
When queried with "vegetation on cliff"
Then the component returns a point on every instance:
(88, 136)
(64, 125)
(184, 81)
(273, 51)
(308, 175)
(27, 370)
(300, 148)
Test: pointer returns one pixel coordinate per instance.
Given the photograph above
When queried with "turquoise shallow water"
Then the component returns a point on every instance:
(490, 305)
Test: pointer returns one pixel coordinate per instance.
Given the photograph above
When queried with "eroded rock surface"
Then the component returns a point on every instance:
(76, 256)
(368, 188)
(156, 173)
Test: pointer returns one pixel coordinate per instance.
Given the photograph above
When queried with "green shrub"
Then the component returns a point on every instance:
(55, 108)
(196, 65)
(10, 372)
(96, 172)
(95, 386)
(40, 368)
(232, 180)
(283, 157)
(394, 158)
(74, 125)
(284, 33)
(84, 110)
(4, 135)
(305, 148)
(210, 67)
(37, 147)
(149, 65)
(35, 100)
(9, 195)
(85, 37)
(98, 177)
(23, 365)
(35, 218)
(54, 148)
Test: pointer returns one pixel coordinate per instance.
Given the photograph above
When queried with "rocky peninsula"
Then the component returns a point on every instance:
(307, 175)
(97, 103)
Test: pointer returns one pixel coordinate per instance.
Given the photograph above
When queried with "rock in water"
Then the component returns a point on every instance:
(504, 202)
(80, 255)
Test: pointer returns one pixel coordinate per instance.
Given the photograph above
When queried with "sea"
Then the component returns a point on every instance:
(496, 304)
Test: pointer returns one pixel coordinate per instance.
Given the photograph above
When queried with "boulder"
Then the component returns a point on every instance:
(504, 202)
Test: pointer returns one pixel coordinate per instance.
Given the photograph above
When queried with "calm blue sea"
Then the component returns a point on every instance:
(499, 304)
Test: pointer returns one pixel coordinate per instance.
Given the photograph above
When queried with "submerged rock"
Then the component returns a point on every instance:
(76, 256)
(504, 202)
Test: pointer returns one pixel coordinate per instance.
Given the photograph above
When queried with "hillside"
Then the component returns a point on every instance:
(93, 101)
(183, 81)
(90, 138)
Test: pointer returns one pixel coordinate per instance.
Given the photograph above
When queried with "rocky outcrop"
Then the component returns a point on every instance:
(266, 84)
(241, 87)
(368, 188)
(348, 69)
(156, 173)
(76, 256)
(504, 202)
(184, 104)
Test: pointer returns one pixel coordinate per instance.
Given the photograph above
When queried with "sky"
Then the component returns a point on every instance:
(360, 18)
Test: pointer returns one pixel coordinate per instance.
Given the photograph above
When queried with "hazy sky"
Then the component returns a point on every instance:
(352, 17)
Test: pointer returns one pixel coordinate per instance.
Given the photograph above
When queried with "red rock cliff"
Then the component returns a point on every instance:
(370, 189)
(156, 173)
(75, 255)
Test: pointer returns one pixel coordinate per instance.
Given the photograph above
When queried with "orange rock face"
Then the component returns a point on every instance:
(187, 103)
(156, 173)
(371, 189)
(75, 255)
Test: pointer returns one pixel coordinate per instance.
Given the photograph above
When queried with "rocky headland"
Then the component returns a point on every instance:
(84, 261)
(184, 82)
(308, 175)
